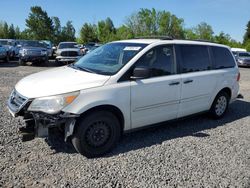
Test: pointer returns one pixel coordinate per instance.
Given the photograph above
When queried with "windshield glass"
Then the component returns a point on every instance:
(67, 45)
(244, 54)
(3, 42)
(109, 58)
(32, 44)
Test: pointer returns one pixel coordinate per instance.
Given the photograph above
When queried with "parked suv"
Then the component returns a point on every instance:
(242, 58)
(33, 51)
(68, 52)
(126, 85)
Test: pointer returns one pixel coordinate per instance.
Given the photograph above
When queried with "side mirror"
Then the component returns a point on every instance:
(140, 73)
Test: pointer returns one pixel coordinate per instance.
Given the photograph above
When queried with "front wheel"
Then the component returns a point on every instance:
(220, 105)
(21, 62)
(96, 133)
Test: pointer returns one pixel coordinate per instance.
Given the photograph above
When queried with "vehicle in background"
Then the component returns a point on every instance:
(49, 48)
(94, 47)
(242, 58)
(32, 51)
(4, 54)
(11, 47)
(87, 47)
(68, 52)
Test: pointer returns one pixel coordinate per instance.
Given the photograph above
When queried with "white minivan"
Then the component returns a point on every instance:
(126, 85)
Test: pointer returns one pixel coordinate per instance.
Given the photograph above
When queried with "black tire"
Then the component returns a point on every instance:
(96, 133)
(7, 59)
(220, 105)
(21, 62)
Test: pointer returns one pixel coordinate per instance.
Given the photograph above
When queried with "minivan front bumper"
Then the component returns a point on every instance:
(37, 124)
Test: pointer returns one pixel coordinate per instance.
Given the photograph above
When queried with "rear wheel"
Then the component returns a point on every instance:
(96, 134)
(220, 105)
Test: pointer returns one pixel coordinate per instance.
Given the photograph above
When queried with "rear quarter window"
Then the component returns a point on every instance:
(222, 58)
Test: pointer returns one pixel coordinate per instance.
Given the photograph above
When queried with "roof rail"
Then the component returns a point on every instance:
(200, 40)
(155, 37)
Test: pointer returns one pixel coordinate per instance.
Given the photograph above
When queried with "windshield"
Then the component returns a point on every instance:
(109, 58)
(32, 44)
(244, 54)
(3, 42)
(67, 45)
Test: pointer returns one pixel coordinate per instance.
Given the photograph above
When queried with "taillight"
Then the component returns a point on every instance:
(238, 77)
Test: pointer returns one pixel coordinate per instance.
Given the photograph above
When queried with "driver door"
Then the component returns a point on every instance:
(157, 98)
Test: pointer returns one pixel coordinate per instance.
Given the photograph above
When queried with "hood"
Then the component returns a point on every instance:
(244, 58)
(58, 81)
(33, 48)
(68, 49)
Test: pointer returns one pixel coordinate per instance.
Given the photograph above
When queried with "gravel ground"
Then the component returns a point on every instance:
(196, 152)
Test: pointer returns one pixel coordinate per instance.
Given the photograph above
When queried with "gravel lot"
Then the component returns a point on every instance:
(196, 152)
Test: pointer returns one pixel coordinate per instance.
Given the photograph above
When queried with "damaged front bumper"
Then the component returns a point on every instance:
(38, 125)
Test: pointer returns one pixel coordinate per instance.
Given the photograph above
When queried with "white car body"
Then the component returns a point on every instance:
(141, 102)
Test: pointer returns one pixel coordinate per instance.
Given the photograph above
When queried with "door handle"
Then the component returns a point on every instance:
(174, 83)
(187, 81)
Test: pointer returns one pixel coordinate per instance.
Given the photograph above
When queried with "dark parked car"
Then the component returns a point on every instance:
(11, 47)
(33, 51)
(3, 54)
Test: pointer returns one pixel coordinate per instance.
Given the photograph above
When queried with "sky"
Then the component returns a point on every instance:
(229, 16)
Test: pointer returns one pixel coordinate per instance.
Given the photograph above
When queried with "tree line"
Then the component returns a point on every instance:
(145, 22)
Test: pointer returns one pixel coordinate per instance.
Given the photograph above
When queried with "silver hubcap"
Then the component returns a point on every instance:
(221, 105)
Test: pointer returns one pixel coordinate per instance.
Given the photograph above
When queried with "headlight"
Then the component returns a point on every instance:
(240, 60)
(43, 52)
(23, 52)
(52, 104)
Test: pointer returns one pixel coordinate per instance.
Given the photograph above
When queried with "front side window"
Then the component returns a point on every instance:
(160, 61)
(109, 58)
(222, 58)
(244, 54)
(194, 58)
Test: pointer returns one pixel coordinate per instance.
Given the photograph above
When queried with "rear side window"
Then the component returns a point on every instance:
(222, 58)
(194, 58)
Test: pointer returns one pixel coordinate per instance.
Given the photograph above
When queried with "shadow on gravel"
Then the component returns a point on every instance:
(192, 126)
(9, 64)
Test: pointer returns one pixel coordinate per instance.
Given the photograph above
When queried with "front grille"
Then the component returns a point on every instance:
(16, 101)
(34, 52)
(69, 53)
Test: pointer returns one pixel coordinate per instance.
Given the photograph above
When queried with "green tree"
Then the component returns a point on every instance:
(12, 33)
(17, 32)
(5, 30)
(124, 32)
(39, 24)
(88, 33)
(57, 30)
(106, 31)
(151, 22)
(247, 34)
(204, 31)
(190, 34)
(68, 32)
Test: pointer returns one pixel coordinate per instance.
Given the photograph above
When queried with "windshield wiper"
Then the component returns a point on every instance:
(81, 68)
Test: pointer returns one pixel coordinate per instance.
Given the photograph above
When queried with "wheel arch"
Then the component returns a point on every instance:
(111, 108)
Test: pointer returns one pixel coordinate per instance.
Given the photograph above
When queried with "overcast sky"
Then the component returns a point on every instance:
(230, 16)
